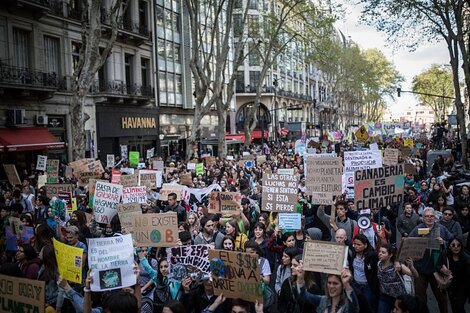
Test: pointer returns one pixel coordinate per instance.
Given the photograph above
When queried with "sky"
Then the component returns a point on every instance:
(407, 63)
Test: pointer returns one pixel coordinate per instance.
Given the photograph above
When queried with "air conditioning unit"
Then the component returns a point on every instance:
(41, 119)
(15, 116)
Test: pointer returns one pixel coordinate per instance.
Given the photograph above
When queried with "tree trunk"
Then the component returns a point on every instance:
(222, 119)
(78, 125)
(195, 138)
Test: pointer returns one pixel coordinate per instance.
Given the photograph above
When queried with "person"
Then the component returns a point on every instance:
(28, 261)
(409, 304)
(341, 221)
(208, 235)
(231, 229)
(49, 273)
(450, 223)
(439, 236)
(236, 306)
(253, 247)
(464, 219)
(228, 243)
(463, 199)
(407, 221)
(174, 206)
(459, 265)
(194, 226)
(284, 270)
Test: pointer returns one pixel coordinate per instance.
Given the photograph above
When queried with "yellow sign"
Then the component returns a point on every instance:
(408, 142)
(70, 261)
(362, 134)
(138, 122)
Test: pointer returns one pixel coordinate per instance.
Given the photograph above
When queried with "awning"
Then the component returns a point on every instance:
(26, 139)
(240, 137)
(283, 132)
(256, 134)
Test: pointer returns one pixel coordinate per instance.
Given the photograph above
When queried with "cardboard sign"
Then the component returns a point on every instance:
(190, 261)
(106, 197)
(260, 159)
(225, 203)
(186, 179)
(53, 190)
(12, 174)
(134, 194)
(22, 295)
(52, 168)
(42, 180)
(246, 163)
(412, 248)
(134, 158)
(69, 260)
(280, 192)
(324, 175)
(111, 262)
(129, 180)
(200, 169)
(406, 152)
(290, 221)
(323, 198)
(359, 160)
(128, 208)
(110, 160)
(171, 188)
(158, 165)
(124, 152)
(156, 229)
(150, 179)
(236, 275)
(324, 257)
(379, 187)
(84, 178)
(41, 163)
(285, 171)
(390, 156)
(126, 213)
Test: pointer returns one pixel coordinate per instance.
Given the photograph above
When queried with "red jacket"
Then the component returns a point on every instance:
(30, 269)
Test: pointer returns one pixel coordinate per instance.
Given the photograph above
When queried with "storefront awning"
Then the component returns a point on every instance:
(256, 134)
(26, 139)
(240, 137)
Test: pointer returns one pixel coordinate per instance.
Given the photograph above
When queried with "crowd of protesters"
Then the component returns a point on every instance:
(373, 281)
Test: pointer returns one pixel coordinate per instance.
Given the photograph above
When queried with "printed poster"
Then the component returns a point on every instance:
(69, 260)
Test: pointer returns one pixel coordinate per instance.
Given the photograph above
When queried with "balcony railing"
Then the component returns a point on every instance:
(24, 76)
(126, 24)
(121, 88)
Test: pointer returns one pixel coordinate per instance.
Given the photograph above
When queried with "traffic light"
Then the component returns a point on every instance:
(399, 92)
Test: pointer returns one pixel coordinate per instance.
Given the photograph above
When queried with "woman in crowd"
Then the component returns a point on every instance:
(459, 266)
(49, 273)
(194, 226)
(232, 229)
(463, 199)
(80, 217)
(407, 221)
(228, 243)
(284, 269)
(28, 261)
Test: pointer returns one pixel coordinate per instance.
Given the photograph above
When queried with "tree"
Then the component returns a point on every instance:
(436, 80)
(411, 22)
(95, 47)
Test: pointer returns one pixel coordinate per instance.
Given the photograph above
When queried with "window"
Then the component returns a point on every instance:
(175, 22)
(143, 13)
(168, 19)
(51, 55)
(253, 4)
(160, 15)
(237, 25)
(176, 53)
(178, 84)
(169, 51)
(161, 49)
(254, 57)
(253, 25)
(128, 69)
(162, 80)
(21, 46)
(145, 71)
(240, 87)
(254, 79)
(75, 55)
(238, 4)
(170, 82)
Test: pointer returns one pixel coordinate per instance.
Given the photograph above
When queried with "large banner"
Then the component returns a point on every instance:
(106, 197)
(280, 192)
(22, 295)
(69, 260)
(195, 197)
(134, 194)
(192, 261)
(324, 178)
(155, 229)
(111, 262)
(150, 178)
(379, 187)
(324, 257)
(236, 275)
(225, 203)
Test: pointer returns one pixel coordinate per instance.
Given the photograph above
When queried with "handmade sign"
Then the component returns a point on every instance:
(408, 142)
(134, 194)
(84, 178)
(260, 159)
(225, 203)
(390, 156)
(290, 221)
(111, 261)
(22, 295)
(52, 170)
(191, 166)
(54, 189)
(285, 171)
(126, 213)
(110, 160)
(129, 180)
(150, 153)
(69, 260)
(150, 179)
(200, 169)
(324, 176)
(12, 174)
(362, 134)
(323, 198)
(186, 179)
(158, 165)
(246, 163)
(192, 261)
(280, 192)
(359, 160)
(379, 187)
(412, 248)
(106, 197)
(156, 229)
(116, 177)
(124, 152)
(236, 275)
(134, 157)
(42, 180)
(410, 169)
(324, 257)
(41, 163)
(67, 198)
(171, 188)
(128, 208)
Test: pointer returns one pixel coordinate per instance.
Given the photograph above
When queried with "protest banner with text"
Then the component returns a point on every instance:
(225, 203)
(324, 176)
(52, 170)
(106, 197)
(134, 194)
(171, 188)
(41, 164)
(129, 180)
(156, 229)
(412, 248)
(150, 178)
(390, 156)
(22, 295)
(69, 260)
(360, 160)
(280, 192)
(12, 174)
(324, 257)
(54, 189)
(192, 261)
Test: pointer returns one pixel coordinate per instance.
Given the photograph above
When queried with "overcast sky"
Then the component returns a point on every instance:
(407, 63)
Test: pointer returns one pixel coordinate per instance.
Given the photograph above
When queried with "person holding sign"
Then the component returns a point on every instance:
(232, 229)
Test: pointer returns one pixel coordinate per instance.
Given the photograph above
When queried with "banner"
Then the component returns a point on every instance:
(124, 153)
(324, 257)
(199, 169)
(324, 176)
(69, 260)
(195, 197)
(390, 156)
(225, 203)
(106, 197)
(236, 275)
(290, 221)
(171, 188)
(150, 179)
(111, 261)
(110, 160)
(359, 160)
(12, 174)
(22, 295)
(134, 158)
(285, 171)
(41, 163)
(134, 194)
(158, 165)
(192, 261)
(116, 177)
(129, 180)
(412, 248)
(280, 192)
(379, 187)
(84, 178)
(53, 190)
(42, 180)
(156, 229)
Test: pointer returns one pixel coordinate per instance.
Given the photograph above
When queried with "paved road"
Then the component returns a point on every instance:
(432, 303)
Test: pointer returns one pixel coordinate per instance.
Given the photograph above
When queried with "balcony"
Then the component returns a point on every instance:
(120, 91)
(129, 30)
(37, 7)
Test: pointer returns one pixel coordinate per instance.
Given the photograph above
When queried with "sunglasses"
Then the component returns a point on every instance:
(448, 214)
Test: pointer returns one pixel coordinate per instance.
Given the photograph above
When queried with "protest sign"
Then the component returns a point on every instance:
(106, 197)
(323, 198)
(374, 146)
(150, 179)
(128, 208)
(150, 153)
(412, 248)
(280, 192)
(200, 169)
(290, 221)
(192, 261)
(260, 159)
(390, 156)
(126, 213)
(12, 174)
(212, 160)
(171, 188)
(379, 187)
(236, 275)
(42, 180)
(116, 176)
(285, 171)
(156, 229)
(408, 142)
(359, 160)
(134, 157)
(54, 189)
(67, 198)
(247, 163)
(129, 180)
(362, 134)
(22, 295)
(134, 194)
(324, 257)
(191, 166)
(324, 175)
(225, 203)
(111, 261)
(52, 170)
(158, 165)
(69, 260)
(186, 179)
(84, 178)
(41, 163)
(110, 160)
(124, 152)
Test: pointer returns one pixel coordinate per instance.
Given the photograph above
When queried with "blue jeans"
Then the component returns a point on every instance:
(386, 304)
(368, 293)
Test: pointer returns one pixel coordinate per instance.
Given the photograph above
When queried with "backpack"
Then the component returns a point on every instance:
(408, 283)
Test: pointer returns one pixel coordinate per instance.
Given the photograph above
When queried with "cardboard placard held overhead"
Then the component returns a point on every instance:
(189, 261)
(12, 174)
(186, 179)
(22, 295)
(390, 156)
(129, 180)
(52, 168)
(285, 171)
(134, 194)
(150, 179)
(290, 221)
(171, 188)
(107, 196)
(280, 192)
(54, 189)
(110, 160)
(236, 275)
(412, 248)
(156, 229)
(41, 163)
(324, 178)
(69, 260)
(225, 203)
(324, 257)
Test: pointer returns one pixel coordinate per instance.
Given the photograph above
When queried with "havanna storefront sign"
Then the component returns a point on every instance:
(138, 122)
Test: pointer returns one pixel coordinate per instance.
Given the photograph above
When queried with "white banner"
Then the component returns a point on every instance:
(107, 196)
(134, 195)
(359, 160)
(41, 163)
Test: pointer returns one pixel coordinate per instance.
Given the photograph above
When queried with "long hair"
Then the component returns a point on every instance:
(309, 277)
(51, 269)
(369, 250)
(342, 297)
(44, 235)
(160, 277)
(81, 217)
(234, 224)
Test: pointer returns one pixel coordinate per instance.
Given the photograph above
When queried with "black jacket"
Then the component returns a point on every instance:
(370, 268)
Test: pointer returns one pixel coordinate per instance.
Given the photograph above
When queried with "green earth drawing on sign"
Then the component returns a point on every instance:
(155, 236)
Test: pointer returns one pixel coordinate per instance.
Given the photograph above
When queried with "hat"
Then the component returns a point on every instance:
(72, 229)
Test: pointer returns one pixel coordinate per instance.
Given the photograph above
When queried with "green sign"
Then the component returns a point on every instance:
(134, 157)
(200, 169)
